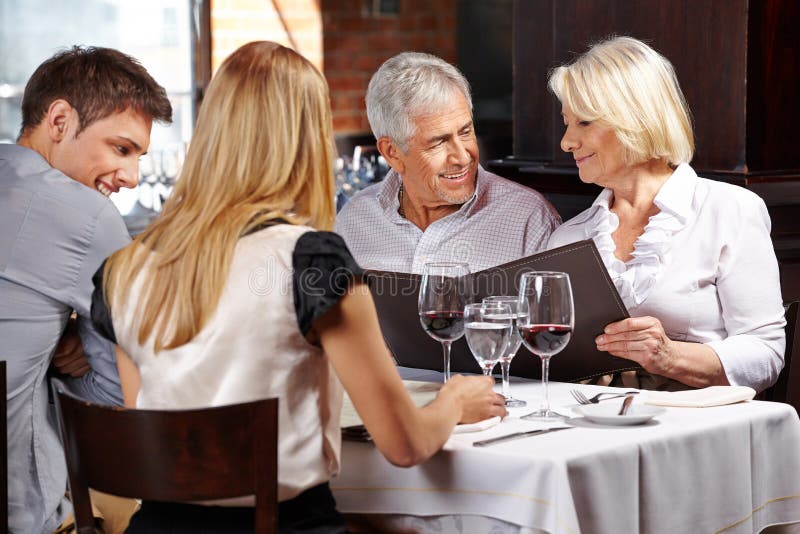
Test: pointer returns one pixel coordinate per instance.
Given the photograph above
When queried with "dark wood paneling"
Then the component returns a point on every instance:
(201, 38)
(711, 66)
(533, 106)
(737, 63)
(484, 47)
(790, 278)
(773, 99)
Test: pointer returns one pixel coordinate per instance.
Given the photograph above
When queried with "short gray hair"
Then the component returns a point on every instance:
(408, 85)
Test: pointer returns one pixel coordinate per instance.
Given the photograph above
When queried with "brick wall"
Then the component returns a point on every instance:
(293, 23)
(342, 37)
(355, 43)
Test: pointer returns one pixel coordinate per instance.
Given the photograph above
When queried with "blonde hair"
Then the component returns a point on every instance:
(262, 150)
(629, 87)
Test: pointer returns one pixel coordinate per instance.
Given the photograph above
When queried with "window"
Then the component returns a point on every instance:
(164, 35)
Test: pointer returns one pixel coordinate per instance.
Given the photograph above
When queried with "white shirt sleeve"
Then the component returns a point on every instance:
(748, 286)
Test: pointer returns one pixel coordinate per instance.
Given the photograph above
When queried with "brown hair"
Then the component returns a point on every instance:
(97, 82)
(262, 150)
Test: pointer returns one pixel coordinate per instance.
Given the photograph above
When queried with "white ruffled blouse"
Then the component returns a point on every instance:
(653, 249)
(704, 266)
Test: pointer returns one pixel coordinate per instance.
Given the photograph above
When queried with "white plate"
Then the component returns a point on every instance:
(607, 414)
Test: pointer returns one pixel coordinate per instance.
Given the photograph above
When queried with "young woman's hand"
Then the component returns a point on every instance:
(475, 395)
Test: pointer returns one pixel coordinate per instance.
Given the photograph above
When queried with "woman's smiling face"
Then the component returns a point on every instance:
(598, 152)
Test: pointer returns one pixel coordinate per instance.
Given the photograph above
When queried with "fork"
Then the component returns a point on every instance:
(583, 399)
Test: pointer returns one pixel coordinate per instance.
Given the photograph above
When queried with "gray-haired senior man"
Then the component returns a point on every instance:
(437, 203)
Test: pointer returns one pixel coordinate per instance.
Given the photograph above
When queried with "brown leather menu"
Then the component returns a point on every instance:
(597, 303)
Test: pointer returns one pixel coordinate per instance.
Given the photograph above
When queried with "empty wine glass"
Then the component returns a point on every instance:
(142, 212)
(172, 157)
(487, 327)
(545, 322)
(147, 177)
(444, 292)
(514, 341)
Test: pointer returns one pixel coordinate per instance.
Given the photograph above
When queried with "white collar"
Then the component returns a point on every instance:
(637, 277)
(677, 193)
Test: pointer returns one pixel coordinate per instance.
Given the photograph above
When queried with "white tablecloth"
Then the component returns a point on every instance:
(733, 469)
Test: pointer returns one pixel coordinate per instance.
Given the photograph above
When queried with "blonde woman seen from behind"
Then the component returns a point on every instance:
(238, 292)
(692, 258)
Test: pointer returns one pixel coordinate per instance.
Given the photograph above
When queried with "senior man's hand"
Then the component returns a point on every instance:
(643, 340)
(69, 357)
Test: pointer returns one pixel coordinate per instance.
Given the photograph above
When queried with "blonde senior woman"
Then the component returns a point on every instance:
(692, 258)
(238, 292)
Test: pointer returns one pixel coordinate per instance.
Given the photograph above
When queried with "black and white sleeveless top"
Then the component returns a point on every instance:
(281, 279)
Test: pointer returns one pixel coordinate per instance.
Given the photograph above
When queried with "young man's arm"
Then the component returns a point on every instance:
(101, 384)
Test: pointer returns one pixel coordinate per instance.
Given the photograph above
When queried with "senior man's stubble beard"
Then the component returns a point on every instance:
(456, 199)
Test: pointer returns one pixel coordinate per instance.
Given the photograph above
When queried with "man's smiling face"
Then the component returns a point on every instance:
(441, 163)
(105, 155)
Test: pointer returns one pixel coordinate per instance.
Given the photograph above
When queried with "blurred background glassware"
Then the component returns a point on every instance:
(148, 176)
(487, 327)
(158, 170)
(342, 169)
(514, 341)
(364, 168)
(144, 209)
(443, 293)
(172, 157)
(369, 164)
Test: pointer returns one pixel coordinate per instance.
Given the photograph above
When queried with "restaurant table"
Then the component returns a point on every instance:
(732, 469)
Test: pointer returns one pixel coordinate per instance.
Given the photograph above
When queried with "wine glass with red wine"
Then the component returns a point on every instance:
(545, 322)
(444, 292)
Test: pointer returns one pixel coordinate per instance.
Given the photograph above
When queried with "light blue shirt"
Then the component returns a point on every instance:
(502, 222)
(55, 234)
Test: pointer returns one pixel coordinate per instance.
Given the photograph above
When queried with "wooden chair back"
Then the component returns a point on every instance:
(3, 450)
(787, 388)
(172, 456)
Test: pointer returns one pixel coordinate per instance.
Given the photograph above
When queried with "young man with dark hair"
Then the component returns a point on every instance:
(87, 115)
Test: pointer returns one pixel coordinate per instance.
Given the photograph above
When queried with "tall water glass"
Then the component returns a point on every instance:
(514, 341)
(545, 322)
(487, 327)
(445, 290)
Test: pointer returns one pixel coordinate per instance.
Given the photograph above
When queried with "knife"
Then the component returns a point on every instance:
(517, 435)
(626, 404)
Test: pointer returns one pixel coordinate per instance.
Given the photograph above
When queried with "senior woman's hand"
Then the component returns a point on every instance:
(643, 340)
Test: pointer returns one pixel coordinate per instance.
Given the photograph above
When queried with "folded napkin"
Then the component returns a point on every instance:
(701, 398)
(476, 427)
(421, 393)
